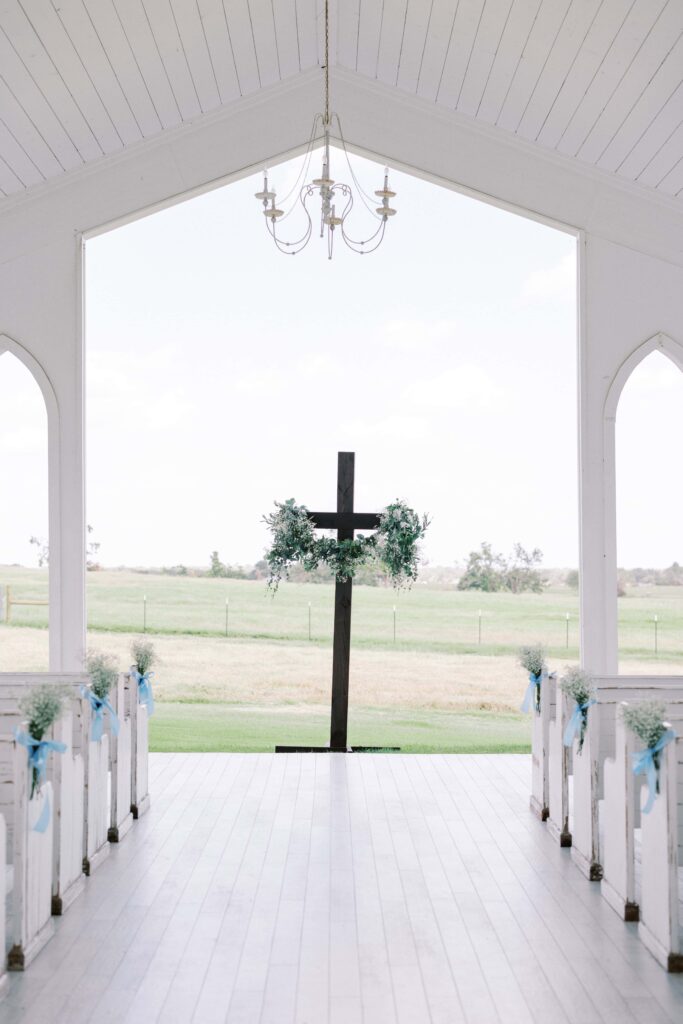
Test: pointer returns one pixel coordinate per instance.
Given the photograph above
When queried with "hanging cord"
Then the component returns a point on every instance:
(327, 64)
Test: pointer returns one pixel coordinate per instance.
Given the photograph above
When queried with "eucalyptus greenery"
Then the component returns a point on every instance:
(394, 544)
(143, 654)
(532, 658)
(41, 707)
(579, 686)
(646, 720)
(102, 671)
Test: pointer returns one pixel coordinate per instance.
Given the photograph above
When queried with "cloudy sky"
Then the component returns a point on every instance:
(222, 375)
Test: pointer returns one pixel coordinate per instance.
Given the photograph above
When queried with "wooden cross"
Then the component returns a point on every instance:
(345, 521)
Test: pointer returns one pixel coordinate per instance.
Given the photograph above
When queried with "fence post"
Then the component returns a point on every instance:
(656, 638)
(227, 612)
(8, 602)
(479, 638)
(144, 613)
(309, 620)
(394, 623)
(567, 638)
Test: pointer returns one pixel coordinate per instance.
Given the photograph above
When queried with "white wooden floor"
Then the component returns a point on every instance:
(325, 889)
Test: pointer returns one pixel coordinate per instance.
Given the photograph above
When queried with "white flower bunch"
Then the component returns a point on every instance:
(646, 720)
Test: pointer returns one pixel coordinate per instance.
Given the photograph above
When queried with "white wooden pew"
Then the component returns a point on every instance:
(66, 775)
(587, 768)
(30, 855)
(122, 698)
(140, 753)
(620, 813)
(661, 863)
(540, 724)
(559, 766)
(5, 883)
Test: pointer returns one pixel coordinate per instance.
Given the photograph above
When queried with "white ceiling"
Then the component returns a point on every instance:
(597, 80)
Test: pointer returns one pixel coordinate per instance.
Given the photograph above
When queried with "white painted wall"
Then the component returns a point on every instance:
(631, 304)
(631, 274)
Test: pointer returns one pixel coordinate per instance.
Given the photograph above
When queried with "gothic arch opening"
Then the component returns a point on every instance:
(24, 546)
(649, 492)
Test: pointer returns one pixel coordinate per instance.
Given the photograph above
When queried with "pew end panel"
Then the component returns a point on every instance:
(540, 725)
(120, 757)
(559, 768)
(661, 850)
(621, 789)
(30, 925)
(140, 755)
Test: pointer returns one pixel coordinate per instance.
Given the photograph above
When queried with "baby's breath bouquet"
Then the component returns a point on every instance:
(41, 707)
(144, 656)
(394, 544)
(532, 659)
(646, 720)
(578, 686)
(102, 671)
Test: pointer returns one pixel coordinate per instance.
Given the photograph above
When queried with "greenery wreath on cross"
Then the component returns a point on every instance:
(394, 544)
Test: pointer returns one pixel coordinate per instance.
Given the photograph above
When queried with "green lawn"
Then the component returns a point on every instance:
(267, 683)
(221, 727)
(429, 620)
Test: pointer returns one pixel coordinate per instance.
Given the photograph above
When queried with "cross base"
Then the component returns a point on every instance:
(281, 749)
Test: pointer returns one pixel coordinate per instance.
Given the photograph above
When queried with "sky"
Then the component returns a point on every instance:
(222, 375)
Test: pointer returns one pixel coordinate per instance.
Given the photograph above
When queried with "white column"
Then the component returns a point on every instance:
(40, 311)
(629, 304)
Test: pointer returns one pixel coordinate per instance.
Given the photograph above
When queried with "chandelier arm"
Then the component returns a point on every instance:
(357, 246)
(305, 165)
(292, 248)
(299, 243)
(361, 192)
(362, 252)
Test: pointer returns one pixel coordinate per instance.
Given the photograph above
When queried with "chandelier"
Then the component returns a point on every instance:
(336, 198)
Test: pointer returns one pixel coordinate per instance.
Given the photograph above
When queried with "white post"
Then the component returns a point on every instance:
(597, 496)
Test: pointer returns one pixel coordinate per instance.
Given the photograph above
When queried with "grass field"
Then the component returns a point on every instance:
(433, 688)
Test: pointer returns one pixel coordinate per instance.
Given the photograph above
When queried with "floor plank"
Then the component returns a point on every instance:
(316, 889)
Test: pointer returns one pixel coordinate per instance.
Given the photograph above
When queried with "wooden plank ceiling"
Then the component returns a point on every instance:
(597, 80)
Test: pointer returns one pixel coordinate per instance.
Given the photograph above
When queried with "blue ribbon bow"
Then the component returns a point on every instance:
(575, 722)
(99, 705)
(37, 761)
(644, 764)
(534, 681)
(144, 689)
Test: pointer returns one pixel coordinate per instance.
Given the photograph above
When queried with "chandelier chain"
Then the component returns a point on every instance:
(327, 62)
(336, 197)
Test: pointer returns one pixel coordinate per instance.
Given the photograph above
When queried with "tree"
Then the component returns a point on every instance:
(91, 549)
(572, 579)
(217, 568)
(485, 570)
(43, 551)
(522, 571)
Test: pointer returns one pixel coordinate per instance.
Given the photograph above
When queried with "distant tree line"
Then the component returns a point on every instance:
(491, 571)
(671, 577)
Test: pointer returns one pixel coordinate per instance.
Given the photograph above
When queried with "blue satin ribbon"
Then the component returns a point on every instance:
(644, 764)
(531, 691)
(99, 705)
(575, 722)
(145, 689)
(37, 761)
